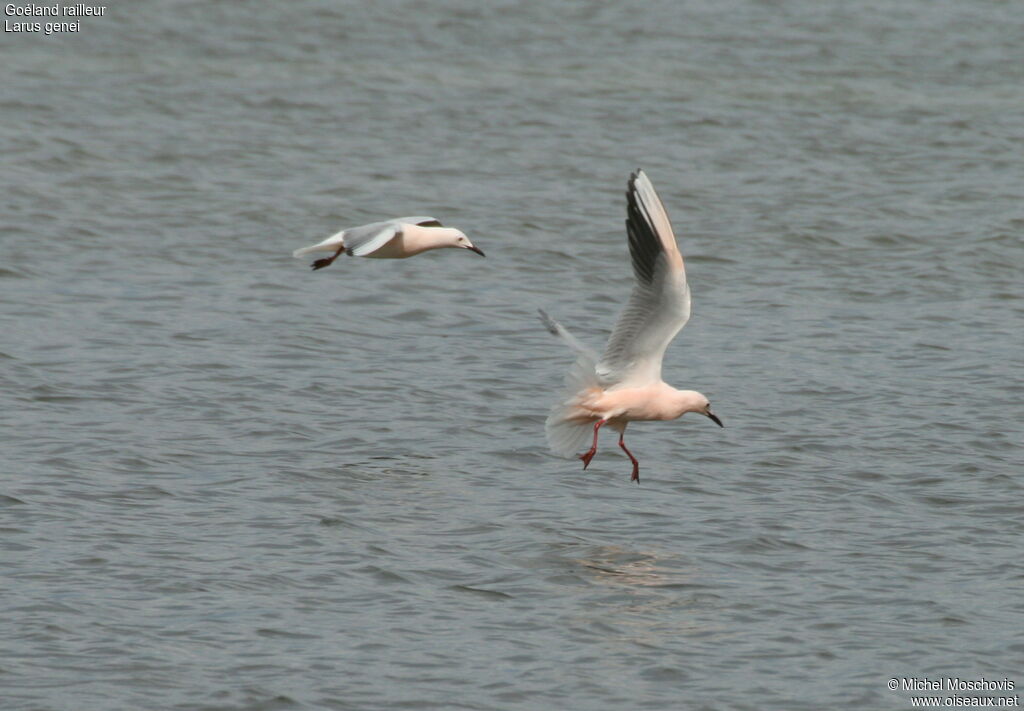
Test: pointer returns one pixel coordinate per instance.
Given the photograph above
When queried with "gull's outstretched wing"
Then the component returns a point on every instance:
(660, 303)
(330, 244)
(421, 220)
(557, 329)
(360, 241)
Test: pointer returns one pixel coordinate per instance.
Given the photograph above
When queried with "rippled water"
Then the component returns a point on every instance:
(231, 483)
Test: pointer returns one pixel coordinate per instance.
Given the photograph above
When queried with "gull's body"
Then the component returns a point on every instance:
(392, 239)
(624, 383)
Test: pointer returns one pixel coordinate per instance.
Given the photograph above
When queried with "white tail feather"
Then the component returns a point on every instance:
(330, 244)
(567, 436)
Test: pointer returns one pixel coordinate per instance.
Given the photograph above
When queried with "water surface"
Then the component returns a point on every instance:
(231, 483)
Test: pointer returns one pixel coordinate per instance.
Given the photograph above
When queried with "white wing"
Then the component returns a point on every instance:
(330, 244)
(557, 329)
(360, 241)
(660, 303)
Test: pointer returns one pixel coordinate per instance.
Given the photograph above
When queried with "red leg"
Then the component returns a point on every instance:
(586, 457)
(327, 261)
(636, 464)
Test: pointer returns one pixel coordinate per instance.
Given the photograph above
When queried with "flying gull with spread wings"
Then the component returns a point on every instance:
(624, 384)
(391, 239)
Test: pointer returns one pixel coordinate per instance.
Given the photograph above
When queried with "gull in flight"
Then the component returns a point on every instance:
(624, 384)
(392, 239)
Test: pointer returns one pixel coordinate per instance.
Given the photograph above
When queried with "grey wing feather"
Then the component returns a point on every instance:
(421, 220)
(360, 241)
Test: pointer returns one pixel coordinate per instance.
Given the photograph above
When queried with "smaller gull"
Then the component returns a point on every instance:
(392, 239)
(624, 384)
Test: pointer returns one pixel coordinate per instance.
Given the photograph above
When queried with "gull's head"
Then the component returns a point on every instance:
(460, 240)
(693, 401)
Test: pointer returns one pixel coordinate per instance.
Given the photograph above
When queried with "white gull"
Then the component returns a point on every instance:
(624, 384)
(391, 239)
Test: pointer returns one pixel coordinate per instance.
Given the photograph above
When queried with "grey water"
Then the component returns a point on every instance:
(228, 482)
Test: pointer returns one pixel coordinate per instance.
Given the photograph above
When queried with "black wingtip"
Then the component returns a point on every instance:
(549, 323)
(644, 246)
